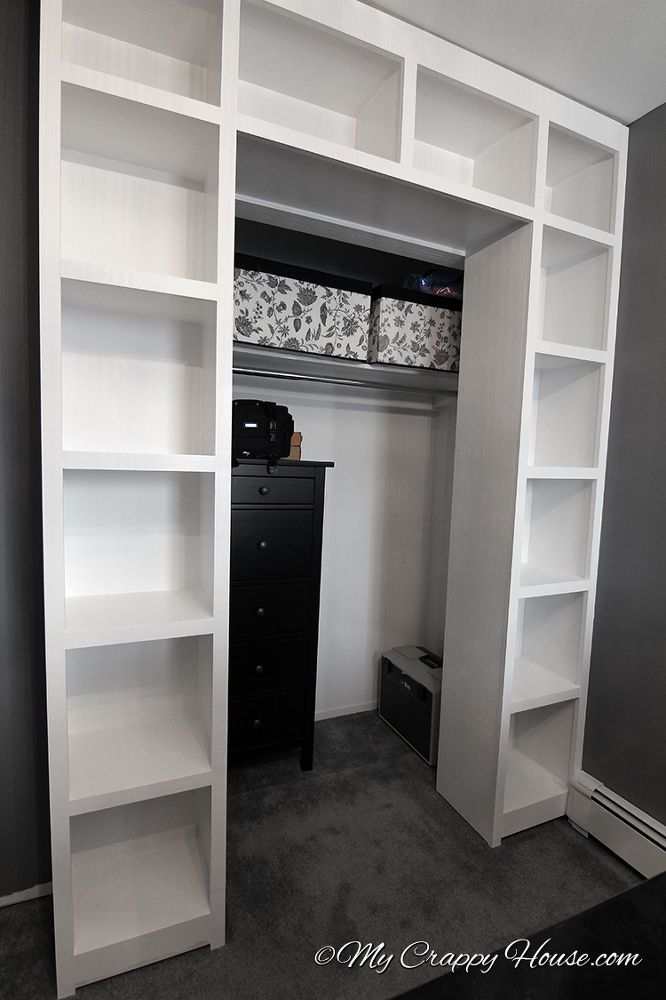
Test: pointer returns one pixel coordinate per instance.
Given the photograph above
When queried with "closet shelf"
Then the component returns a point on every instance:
(535, 686)
(532, 794)
(141, 93)
(139, 462)
(274, 363)
(535, 582)
(122, 764)
(145, 281)
(561, 472)
(579, 229)
(111, 618)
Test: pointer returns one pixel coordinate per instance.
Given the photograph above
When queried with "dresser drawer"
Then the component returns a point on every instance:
(271, 544)
(269, 609)
(271, 489)
(254, 722)
(267, 665)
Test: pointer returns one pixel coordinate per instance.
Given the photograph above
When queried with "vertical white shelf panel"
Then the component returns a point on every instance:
(139, 720)
(558, 521)
(139, 868)
(580, 179)
(574, 290)
(566, 412)
(548, 652)
(537, 767)
(171, 45)
(297, 74)
(138, 548)
(139, 186)
(138, 371)
(466, 136)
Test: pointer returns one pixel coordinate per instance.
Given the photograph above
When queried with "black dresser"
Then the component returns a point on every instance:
(276, 530)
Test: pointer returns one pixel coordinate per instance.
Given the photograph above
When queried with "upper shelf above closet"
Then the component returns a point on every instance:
(168, 45)
(580, 180)
(250, 360)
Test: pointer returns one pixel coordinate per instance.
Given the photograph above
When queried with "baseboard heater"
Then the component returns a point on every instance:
(639, 839)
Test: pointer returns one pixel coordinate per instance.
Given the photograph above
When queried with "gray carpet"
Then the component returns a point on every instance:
(361, 848)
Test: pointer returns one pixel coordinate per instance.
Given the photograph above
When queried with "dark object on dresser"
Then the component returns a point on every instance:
(261, 430)
(276, 532)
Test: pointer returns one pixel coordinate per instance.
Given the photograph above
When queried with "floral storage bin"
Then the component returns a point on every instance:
(295, 309)
(415, 329)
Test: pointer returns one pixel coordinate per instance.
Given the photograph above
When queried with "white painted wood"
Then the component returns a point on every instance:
(580, 180)
(173, 45)
(491, 369)
(137, 869)
(574, 290)
(471, 138)
(533, 794)
(557, 531)
(565, 420)
(25, 895)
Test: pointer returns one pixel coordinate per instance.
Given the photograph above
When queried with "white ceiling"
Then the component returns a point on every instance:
(608, 54)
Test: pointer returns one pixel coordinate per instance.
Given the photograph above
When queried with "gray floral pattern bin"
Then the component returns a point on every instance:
(296, 311)
(408, 328)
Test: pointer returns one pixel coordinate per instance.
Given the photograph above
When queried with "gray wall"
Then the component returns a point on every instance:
(625, 734)
(24, 833)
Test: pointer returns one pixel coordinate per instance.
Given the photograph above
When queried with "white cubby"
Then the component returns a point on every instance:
(299, 75)
(537, 766)
(139, 868)
(138, 547)
(465, 136)
(565, 414)
(548, 651)
(138, 371)
(138, 186)
(556, 539)
(580, 179)
(138, 719)
(173, 45)
(574, 290)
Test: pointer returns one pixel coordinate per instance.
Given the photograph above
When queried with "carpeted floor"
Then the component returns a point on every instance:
(362, 848)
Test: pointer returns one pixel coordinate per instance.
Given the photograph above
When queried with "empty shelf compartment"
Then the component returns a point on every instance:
(465, 136)
(298, 74)
(558, 516)
(139, 868)
(139, 717)
(548, 650)
(566, 412)
(574, 290)
(580, 179)
(173, 45)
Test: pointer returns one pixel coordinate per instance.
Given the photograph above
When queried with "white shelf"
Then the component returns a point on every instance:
(574, 290)
(131, 763)
(139, 721)
(137, 869)
(535, 686)
(326, 196)
(135, 616)
(557, 531)
(122, 278)
(580, 178)
(138, 548)
(465, 136)
(559, 353)
(566, 412)
(548, 663)
(537, 766)
(139, 185)
(296, 366)
(139, 462)
(532, 795)
(138, 371)
(561, 472)
(174, 46)
(290, 75)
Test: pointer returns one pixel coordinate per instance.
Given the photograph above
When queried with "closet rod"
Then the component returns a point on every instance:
(331, 380)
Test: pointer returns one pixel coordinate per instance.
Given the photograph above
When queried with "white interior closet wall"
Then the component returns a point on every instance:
(384, 553)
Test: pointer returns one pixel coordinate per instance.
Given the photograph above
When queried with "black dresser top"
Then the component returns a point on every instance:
(254, 463)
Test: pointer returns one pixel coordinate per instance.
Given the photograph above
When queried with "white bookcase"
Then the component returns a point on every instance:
(159, 120)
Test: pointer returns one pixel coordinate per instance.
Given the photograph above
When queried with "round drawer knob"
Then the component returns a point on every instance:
(264, 490)
(256, 724)
(262, 545)
(259, 669)
(261, 612)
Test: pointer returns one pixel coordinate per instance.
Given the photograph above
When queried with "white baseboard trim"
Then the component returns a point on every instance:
(639, 839)
(334, 713)
(26, 894)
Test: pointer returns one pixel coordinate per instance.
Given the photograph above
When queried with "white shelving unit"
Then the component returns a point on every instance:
(159, 120)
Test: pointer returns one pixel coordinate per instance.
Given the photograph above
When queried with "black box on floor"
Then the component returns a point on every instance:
(410, 687)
